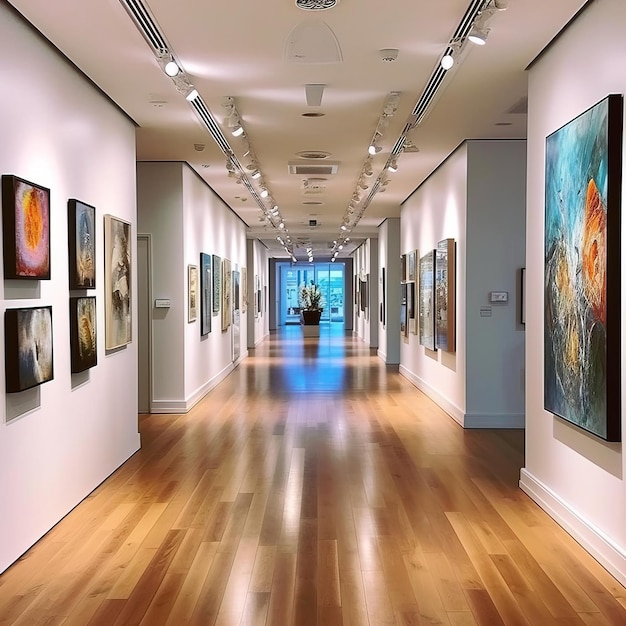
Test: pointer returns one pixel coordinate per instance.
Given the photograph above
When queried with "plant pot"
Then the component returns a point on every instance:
(310, 318)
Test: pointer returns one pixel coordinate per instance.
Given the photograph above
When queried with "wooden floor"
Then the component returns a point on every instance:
(312, 486)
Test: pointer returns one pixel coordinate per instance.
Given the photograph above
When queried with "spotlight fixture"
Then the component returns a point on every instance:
(264, 193)
(344, 227)
(447, 61)
(256, 174)
(237, 131)
(478, 35)
(374, 149)
(393, 166)
(281, 225)
(171, 69)
(192, 95)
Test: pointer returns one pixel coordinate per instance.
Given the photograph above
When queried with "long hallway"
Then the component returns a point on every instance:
(312, 486)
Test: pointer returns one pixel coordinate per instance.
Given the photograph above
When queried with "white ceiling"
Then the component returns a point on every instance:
(238, 48)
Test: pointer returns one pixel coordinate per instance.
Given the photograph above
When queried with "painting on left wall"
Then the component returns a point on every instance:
(26, 229)
(28, 347)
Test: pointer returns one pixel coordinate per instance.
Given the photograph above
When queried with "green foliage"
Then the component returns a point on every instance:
(311, 298)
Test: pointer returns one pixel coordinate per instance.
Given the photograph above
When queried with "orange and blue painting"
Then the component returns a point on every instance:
(582, 291)
(26, 223)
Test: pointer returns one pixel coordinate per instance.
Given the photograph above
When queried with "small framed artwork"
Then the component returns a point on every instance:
(192, 293)
(206, 288)
(426, 300)
(410, 266)
(523, 296)
(217, 283)
(244, 290)
(403, 264)
(81, 231)
(117, 290)
(28, 347)
(26, 229)
(83, 327)
(227, 303)
(445, 306)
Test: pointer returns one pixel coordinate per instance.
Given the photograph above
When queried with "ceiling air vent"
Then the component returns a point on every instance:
(311, 168)
(313, 154)
(316, 5)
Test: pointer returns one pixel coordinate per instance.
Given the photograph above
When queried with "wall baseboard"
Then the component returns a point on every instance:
(176, 407)
(447, 405)
(495, 420)
(382, 355)
(610, 555)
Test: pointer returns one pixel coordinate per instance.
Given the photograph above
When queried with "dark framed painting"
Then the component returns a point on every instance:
(83, 329)
(426, 302)
(582, 338)
(206, 290)
(28, 357)
(192, 293)
(217, 283)
(117, 289)
(363, 295)
(522, 306)
(445, 305)
(25, 229)
(403, 265)
(384, 298)
(410, 308)
(404, 322)
(81, 233)
(227, 302)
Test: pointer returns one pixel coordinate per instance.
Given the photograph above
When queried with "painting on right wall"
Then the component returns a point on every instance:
(582, 270)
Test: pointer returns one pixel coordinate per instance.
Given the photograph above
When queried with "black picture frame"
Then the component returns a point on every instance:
(25, 229)
(206, 290)
(28, 349)
(83, 333)
(81, 243)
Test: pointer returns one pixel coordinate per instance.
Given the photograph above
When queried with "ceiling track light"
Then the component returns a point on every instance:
(447, 61)
(478, 35)
(393, 166)
(237, 131)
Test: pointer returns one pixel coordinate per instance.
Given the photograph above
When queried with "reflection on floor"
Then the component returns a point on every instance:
(312, 487)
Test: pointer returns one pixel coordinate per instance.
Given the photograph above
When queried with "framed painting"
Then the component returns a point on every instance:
(117, 289)
(236, 290)
(404, 331)
(217, 283)
(583, 180)
(403, 264)
(522, 307)
(83, 328)
(192, 292)
(25, 229)
(244, 290)
(445, 306)
(363, 295)
(410, 266)
(81, 233)
(384, 298)
(410, 307)
(28, 355)
(426, 302)
(206, 289)
(227, 302)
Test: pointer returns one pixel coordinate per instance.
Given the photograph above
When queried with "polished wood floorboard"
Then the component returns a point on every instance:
(312, 487)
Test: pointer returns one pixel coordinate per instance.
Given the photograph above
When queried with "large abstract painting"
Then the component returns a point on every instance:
(81, 228)
(117, 269)
(28, 347)
(206, 288)
(444, 296)
(26, 229)
(582, 270)
(426, 302)
(83, 343)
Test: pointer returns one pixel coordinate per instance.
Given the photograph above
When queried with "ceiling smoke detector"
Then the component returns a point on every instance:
(388, 54)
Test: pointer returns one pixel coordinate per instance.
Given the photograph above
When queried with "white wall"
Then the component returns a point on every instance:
(576, 477)
(258, 327)
(436, 211)
(389, 259)
(477, 197)
(60, 440)
(184, 218)
(494, 255)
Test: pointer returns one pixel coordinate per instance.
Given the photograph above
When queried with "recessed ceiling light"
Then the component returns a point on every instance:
(313, 114)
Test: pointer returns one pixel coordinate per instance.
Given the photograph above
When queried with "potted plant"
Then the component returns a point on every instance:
(311, 303)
